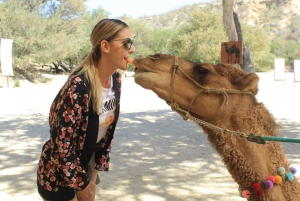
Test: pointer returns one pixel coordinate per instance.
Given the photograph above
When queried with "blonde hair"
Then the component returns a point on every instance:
(106, 29)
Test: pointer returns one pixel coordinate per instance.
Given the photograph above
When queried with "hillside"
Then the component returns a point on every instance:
(280, 17)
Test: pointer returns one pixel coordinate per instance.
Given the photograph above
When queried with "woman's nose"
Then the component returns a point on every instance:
(132, 49)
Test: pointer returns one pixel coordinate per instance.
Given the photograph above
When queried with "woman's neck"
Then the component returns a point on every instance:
(104, 74)
(106, 83)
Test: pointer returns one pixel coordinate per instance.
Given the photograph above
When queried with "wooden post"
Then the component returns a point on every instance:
(7, 81)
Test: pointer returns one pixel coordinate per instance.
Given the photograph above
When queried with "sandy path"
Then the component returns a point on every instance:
(156, 155)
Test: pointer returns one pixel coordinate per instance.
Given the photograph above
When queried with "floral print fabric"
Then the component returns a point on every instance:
(60, 162)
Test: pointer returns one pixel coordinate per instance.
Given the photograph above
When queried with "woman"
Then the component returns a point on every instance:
(83, 117)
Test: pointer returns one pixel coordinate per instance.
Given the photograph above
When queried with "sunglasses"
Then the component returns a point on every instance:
(127, 42)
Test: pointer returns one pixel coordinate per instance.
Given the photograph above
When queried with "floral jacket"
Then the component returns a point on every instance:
(73, 135)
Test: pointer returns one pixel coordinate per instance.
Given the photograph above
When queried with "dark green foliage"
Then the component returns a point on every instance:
(148, 40)
(287, 49)
(258, 44)
(200, 39)
(45, 33)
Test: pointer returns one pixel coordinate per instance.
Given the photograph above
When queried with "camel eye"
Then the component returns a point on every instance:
(154, 57)
(202, 70)
(200, 74)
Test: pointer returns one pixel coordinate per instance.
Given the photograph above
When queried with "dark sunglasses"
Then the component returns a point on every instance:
(127, 42)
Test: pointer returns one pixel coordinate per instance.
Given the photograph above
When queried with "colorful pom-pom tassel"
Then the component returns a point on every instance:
(256, 186)
(293, 170)
(259, 193)
(268, 184)
(246, 194)
(278, 179)
(281, 170)
(289, 176)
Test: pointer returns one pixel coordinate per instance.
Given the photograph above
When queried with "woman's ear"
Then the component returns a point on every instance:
(104, 46)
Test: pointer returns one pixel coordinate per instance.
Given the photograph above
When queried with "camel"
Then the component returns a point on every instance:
(221, 99)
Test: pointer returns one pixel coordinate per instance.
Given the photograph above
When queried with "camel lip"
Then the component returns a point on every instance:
(141, 68)
(137, 70)
(142, 71)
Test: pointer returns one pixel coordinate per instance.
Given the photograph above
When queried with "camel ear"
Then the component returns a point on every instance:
(249, 82)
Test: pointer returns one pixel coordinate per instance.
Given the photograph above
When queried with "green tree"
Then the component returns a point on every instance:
(287, 49)
(258, 43)
(40, 37)
(161, 37)
(68, 9)
(67, 34)
(89, 20)
(143, 36)
(24, 28)
(148, 40)
(199, 40)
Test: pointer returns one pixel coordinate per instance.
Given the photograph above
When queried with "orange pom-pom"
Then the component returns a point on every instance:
(278, 179)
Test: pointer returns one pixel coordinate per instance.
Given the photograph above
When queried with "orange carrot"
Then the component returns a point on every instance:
(130, 61)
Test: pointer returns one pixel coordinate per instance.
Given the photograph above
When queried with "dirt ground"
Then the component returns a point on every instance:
(156, 156)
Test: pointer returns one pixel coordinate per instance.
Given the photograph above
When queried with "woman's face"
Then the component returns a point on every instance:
(118, 50)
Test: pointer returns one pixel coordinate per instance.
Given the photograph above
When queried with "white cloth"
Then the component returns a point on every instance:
(107, 115)
(6, 57)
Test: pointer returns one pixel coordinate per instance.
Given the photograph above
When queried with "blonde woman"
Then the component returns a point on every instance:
(83, 118)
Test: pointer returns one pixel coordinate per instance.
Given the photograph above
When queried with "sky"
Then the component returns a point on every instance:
(139, 8)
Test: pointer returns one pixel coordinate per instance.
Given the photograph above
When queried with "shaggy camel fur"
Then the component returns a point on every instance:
(249, 163)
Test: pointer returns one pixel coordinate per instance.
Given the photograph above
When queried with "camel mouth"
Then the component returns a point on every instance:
(141, 67)
(138, 71)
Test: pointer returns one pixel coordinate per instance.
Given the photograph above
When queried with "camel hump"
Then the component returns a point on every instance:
(249, 82)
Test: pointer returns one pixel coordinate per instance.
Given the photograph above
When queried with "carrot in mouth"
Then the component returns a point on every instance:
(130, 61)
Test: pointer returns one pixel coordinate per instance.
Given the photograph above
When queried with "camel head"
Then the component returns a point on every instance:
(199, 83)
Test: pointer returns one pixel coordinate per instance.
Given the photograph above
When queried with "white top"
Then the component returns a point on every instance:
(107, 115)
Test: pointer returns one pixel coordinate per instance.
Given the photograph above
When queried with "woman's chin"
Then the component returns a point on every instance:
(124, 68)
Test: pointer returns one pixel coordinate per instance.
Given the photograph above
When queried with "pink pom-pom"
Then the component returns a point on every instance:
(268, 184)
(271, 178)
(246, 194)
